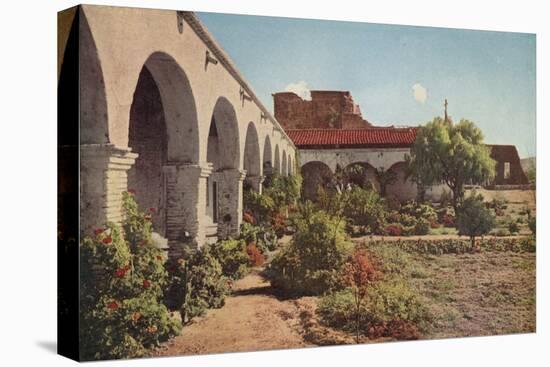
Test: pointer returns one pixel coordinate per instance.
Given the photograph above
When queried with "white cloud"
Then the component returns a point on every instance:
(420, 93)
(300, 88)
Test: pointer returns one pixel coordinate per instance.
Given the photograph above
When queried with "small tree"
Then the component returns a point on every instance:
(450, 153)
(474, 219)
(358, 274)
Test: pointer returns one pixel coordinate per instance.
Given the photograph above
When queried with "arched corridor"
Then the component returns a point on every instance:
(182, 129)
(315, 175)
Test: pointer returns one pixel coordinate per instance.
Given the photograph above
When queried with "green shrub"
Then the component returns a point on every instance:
(232, 256)
(451, 246)
(513, 227)
(388, 303)
(264, 238)
(283, 190)
(501, 232)
(473, 218)
(532, 223)
(422, 226)
(407, 220)
(122, 280)
(311, 263)
(261, 206)
(197, 284)
(418, 210)
(364, 208)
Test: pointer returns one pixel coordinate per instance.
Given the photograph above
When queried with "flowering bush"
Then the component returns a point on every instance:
(394, 229)
(249, 218)
(391, 309)
(255, 256)
(279, 223)
(448, 220)
(357, 274)
(264, 238)
(122, 280)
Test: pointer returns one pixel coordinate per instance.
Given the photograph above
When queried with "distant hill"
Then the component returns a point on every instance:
(528, 163)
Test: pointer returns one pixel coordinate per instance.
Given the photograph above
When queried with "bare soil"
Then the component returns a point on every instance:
(252, 319)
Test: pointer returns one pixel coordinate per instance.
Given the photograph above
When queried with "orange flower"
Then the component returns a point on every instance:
(152, 329)
(136, 316)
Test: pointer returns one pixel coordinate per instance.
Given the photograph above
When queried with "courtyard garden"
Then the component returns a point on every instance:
(353, 266)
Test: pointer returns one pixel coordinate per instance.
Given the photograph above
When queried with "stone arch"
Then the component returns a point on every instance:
(276, 160)
(67, 128)
(290, 164)
(179, 108)
(163, 130)
(403, 188)
(267, 164)
(365, 178)
(284, 167)
(251, 159)
(224, 186)
(224, 134)
(315, 174)
(94, 124)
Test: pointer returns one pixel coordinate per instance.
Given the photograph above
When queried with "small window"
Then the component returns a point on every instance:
(506, 170)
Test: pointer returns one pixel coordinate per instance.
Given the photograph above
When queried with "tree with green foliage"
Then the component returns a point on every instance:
(474, 218)
(451, 153)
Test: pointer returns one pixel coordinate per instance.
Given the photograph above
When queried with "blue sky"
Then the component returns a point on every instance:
(399, 75)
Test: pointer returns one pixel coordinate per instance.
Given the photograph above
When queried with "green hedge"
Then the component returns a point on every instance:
(458, 246)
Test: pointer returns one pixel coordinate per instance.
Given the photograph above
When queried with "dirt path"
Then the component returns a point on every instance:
(252, 319)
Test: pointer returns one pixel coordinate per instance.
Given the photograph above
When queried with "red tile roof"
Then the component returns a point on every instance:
(379, 136)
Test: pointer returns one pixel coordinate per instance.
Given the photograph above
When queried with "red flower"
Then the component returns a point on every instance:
(131, 191)
(107, 240)
(153, 210)
(98, 231)
(146, 283)
(120, 272)
(159, 258)
(113, 305)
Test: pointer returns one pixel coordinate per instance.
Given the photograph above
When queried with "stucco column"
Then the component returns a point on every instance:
(230, 202)
(185, 204)
(103, 178)
(255, 182)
